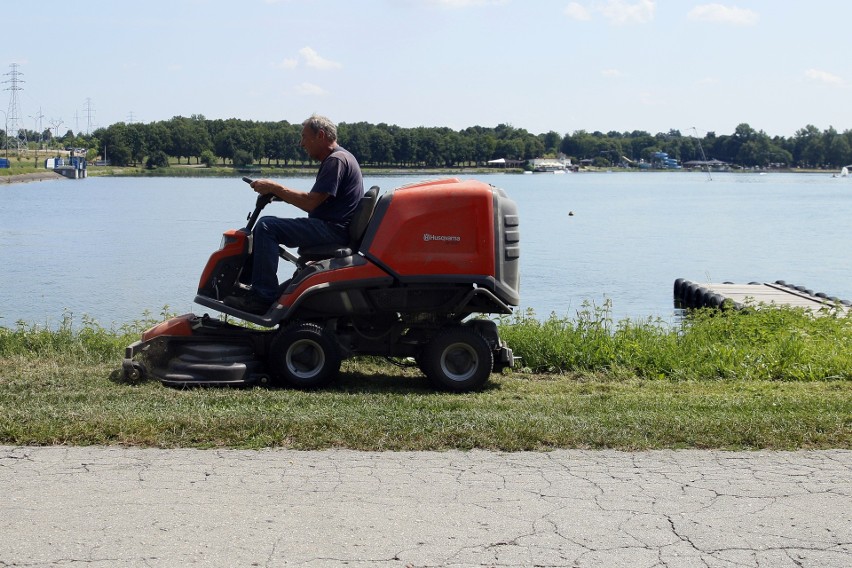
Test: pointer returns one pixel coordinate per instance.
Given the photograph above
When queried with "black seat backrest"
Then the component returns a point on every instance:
(361, 217)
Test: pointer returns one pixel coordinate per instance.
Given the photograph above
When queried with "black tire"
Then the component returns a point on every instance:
(304, 356)
(458, 359)
(133, 372)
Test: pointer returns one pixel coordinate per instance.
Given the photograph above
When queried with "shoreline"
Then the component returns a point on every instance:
(33, 176)
(299, 172)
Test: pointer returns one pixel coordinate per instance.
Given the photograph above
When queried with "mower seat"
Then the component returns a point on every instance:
(357, 228)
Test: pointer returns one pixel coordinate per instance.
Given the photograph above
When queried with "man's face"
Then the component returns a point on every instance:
(311, 141)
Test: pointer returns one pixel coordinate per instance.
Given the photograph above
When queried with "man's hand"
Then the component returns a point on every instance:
(264, 186)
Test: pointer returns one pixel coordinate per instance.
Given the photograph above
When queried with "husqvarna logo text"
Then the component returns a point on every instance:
(446, 238)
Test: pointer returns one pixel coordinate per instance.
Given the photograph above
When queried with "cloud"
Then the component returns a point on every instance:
(824, 77)
(618, 12)
(313, 59)
(577, 12)
(621, 12)
(289, 63)
(309, 58)
(309, 89)
(611, 73)
(465, 3)
(719, 14)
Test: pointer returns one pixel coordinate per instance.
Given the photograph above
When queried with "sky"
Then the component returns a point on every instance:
(541, 65)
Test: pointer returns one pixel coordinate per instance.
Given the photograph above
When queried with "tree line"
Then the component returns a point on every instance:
(245, 142)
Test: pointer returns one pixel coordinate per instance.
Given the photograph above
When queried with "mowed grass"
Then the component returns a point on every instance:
(733, 380)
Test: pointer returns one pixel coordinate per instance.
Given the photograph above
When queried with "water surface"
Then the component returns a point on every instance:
(113, 248)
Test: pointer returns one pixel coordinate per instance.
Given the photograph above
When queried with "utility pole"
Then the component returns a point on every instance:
(89, 111)
(55, 123)
(37, 123)
(37, 126)
(13, 118)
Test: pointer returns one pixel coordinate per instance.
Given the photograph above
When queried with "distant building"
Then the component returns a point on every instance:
(550, 164)
(704, 164)
(505, 163)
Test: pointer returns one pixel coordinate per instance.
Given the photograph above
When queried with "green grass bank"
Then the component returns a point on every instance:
(757, 379)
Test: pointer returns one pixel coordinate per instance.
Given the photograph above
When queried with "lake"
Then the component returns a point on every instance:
(113, 248)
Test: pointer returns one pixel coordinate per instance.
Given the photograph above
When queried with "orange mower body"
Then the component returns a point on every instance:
(423, 262)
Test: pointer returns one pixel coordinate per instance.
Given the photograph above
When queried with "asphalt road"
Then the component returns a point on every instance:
(107, 507)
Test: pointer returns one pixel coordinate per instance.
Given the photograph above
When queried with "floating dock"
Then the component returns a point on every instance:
(688, 294)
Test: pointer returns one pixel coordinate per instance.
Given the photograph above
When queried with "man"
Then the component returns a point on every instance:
(330, 204)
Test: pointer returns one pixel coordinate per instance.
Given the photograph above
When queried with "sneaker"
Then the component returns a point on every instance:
(248, 303)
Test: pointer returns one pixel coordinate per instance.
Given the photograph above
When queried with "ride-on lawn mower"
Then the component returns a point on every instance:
(422, 260)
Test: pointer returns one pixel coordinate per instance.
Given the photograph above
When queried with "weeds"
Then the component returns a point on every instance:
(88, 342)
(760, 344)
(763, 344)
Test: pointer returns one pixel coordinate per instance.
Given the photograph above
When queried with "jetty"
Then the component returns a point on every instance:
(688, 294)
(74, 167)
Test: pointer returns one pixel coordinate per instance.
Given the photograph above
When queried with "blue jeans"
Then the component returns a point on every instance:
(292, 233)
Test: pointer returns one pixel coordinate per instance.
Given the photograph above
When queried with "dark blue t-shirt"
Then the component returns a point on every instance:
(340, 177)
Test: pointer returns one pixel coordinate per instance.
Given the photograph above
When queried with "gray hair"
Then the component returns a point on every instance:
(319, 123)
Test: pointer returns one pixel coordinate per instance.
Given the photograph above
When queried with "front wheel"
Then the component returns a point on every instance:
(133, 371)
(458, 359)
(304, 356)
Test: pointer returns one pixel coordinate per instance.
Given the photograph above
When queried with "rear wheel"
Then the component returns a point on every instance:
(304, 356)
(458, 359)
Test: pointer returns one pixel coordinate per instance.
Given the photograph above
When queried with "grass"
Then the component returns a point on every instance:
(760, 379)
(782, 344)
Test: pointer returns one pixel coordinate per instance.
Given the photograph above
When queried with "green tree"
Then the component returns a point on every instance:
(551, 142)
(230, 140)
(115, 144)
(157, 137)
(381, 145)
(136, 141)
(484, 147)
(837, 149)
(189, 137)
(208, 158)
(278, 141)
(158, 159)
(809, 147)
